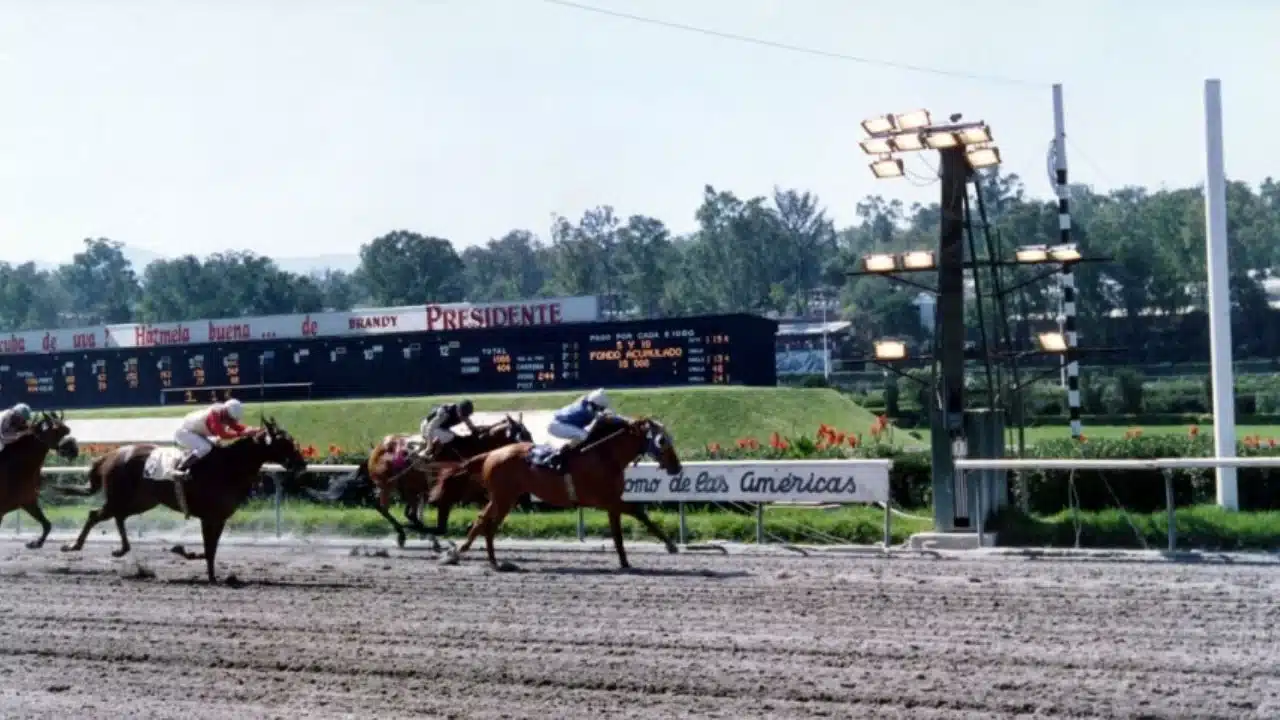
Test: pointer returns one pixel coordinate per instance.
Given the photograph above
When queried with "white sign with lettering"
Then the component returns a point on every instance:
(833, 481)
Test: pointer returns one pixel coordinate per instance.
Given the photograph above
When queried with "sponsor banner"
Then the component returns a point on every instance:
(834, 481)
(369, 321)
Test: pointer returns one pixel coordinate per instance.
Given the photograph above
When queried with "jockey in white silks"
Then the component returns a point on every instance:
(219, 421)
(571, 422)
(14, 422)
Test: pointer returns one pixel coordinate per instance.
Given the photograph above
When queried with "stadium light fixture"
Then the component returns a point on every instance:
(908, 142)
(1052, 342)
(876, 146)
(889, 350)
(887, 168)
(918, 260)
(913, 120)
(1064, 253)
(879, 262)
(941, 140)
(984, 157)
(976, 135)
(1031, 254)
(913, 131)
(1039, 254)
(878, 125)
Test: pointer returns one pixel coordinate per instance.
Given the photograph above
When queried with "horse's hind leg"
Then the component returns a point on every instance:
(493, 518)
(33, 509)
(96, 516)
(637, 511)
(124, 538)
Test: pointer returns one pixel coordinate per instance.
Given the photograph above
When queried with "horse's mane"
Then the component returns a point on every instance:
(606, 425)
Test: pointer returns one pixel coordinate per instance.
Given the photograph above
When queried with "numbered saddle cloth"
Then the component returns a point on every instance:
(161, 463)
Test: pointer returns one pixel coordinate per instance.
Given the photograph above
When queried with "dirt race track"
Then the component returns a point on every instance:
(317, 632)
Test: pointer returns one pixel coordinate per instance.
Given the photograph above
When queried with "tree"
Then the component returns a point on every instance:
(100, 283)
(405, 268)
(510, 268)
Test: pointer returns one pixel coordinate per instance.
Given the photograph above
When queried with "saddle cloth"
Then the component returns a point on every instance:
(543, 456)
(161, 463)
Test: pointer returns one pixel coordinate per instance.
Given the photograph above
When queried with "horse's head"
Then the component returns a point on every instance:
(658, 444)
(516, 431)
(280, 446)
(51, 430)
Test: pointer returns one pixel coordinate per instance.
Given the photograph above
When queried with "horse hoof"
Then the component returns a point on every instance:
(35, 544)
(400, 540)
(69, 548)
(178, 550)
(672, 549)
(450, 558)
(506, 567)
(118, 553)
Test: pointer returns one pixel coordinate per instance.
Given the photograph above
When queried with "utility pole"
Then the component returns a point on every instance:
(949, 313)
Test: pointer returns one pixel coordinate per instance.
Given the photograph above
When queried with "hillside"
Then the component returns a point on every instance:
(695, 416)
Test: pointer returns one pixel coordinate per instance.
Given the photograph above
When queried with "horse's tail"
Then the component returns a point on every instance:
(95, 481)
(357, 482)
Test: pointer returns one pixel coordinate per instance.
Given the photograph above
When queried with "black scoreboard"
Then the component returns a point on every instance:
(706, 350)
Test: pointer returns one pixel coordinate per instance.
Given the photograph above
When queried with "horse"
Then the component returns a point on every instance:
(595, 478)
(137, 478)
(382, 473)
(21, 462)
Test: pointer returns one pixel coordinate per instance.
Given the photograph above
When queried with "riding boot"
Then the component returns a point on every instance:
(180, 491)
(179, 482)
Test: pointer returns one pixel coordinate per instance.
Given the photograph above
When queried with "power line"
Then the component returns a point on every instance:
(890, 64)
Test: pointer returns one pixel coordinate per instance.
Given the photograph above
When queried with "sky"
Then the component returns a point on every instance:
(294, 128)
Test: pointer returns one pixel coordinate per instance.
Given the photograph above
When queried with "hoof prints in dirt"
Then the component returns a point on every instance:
(331, 635)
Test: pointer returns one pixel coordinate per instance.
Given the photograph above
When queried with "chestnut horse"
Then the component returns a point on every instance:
(595, 478)
(215, 487)
(21, 462)
(382, 472)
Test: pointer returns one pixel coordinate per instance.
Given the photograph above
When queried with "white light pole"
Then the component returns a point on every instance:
(1219, 292)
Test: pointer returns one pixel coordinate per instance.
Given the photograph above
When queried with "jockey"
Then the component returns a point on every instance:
(437, 426)
(199, 428)
(571, 421)
(14, 422)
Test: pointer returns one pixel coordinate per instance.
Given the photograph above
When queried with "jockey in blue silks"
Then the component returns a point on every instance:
(571, 421)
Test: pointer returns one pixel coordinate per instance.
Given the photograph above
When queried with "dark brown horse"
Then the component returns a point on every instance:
(596, 478)
(213, 490)
(388, 470)
(21, 462)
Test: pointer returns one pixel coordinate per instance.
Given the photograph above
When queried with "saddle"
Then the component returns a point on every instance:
(546, 457)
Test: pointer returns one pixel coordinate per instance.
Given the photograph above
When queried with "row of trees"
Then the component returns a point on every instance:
(759, 254)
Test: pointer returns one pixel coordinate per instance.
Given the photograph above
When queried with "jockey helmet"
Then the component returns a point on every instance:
(233, 409)
(23, 411)
(598, 398)
(465, 408)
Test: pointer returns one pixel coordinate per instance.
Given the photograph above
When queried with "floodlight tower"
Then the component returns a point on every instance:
(962, 147)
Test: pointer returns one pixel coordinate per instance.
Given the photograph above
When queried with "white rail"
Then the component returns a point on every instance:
(863, 481)
(1166, 466)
